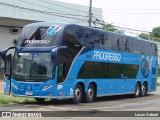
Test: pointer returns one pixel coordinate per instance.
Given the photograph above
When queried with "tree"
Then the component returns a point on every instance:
(145, 36)
(15, 41)
(156, 32)
(111, 28)
(154, 35)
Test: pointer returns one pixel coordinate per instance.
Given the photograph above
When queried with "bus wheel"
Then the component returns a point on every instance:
(137, 90)
(40, 100)
(77, 94)
(90, 94)
(143, 90)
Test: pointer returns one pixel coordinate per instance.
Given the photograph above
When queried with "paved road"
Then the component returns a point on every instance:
(150, 102)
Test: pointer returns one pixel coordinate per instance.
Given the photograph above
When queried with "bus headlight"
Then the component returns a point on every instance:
(14, 85)
(47, 87)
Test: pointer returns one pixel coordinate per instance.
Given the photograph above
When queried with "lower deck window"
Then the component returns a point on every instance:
(107, 70)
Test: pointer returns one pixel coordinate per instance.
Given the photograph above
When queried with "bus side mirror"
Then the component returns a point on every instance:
(4, 52)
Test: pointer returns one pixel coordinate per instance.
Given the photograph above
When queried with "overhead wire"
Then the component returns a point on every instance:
(59, 11)
(120, 27)
(39, 11)
(68, 7)
(64, 15)
(71, 8)
(63, 6)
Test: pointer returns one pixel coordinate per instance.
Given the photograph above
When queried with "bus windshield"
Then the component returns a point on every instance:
(35, 36)
(37, 65)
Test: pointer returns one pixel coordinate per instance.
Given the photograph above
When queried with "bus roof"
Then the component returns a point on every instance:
(97, 38)
(86, 27)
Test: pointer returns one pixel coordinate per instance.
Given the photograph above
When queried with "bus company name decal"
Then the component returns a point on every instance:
(98, 55)
(37, 41)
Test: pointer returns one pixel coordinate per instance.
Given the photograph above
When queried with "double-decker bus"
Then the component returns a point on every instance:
(68, 61)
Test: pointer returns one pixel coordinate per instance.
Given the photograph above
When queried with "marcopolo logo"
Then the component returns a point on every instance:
(107, 56)
(144, 68)
(37, 41)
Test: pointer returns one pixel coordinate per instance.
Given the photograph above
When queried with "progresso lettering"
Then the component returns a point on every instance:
(106, 56)
(37, 41)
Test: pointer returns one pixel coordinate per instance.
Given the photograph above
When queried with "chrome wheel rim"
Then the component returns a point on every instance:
(90, 93)
(77, 93)
(143, 89)
(137, 91)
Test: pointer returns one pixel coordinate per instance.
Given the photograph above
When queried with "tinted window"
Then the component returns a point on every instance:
(155, 49)
(95, 38)
(117, 43)
(40, 36)
(127, 44)
(107, 70)
(70, 39)
(67, 55)
(36, 66)
(65, 61)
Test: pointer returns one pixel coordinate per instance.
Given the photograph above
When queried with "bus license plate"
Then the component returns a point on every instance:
(29, 93)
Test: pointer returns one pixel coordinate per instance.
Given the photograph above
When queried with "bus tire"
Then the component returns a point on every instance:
(144, 90)
(40, 100)
(137, 90)
(90, 94)
(77, 94)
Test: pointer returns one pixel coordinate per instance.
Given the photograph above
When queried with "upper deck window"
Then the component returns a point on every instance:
(34, 36)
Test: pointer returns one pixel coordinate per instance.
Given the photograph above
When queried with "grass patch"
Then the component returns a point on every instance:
(8, 99)
(158, 84)
(1, 76)
(158, 73)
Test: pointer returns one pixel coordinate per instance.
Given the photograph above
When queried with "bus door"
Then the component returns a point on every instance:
(7, 74)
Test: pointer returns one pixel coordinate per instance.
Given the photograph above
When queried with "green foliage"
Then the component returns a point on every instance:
(154, 35)
(158, 73)
(156, 32)
(5, 99)
(109, 27)
(120, 32)
(1, 76)
(145, 36)
(15, 41)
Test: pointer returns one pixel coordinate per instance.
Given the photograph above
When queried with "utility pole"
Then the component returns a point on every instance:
(90, 13)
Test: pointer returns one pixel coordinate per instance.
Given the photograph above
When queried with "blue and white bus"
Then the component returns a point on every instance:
(68, 61)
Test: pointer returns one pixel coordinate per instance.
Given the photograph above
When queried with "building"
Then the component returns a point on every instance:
(14, 14)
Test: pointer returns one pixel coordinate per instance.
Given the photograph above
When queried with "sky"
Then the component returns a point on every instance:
(141, 15)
